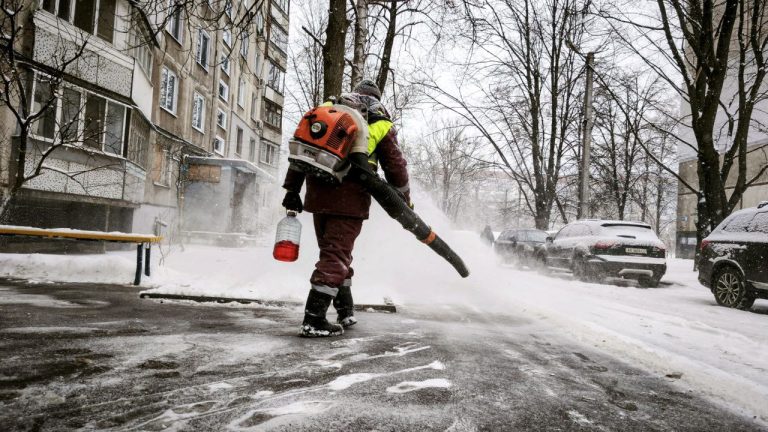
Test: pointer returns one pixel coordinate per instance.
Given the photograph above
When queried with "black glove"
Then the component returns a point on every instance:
(292, 201)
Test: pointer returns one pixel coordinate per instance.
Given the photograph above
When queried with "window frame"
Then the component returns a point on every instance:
(72, 14)
(164, 88)
(202, 34)
(225, 61)
(265, 156)
(280, 75)
(221, 114)
(80, 127)
(172, 8)
(219, 139)
(225, 86)
(201, 116)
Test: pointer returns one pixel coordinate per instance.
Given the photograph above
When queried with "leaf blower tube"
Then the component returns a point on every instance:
(392, 202)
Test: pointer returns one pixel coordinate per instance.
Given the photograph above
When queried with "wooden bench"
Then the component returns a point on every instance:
(144, 241)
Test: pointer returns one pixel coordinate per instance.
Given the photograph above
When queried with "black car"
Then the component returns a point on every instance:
(594, 249)
(733, 262)
(519, 245)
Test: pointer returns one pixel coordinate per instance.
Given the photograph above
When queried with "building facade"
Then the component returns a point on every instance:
(145, 114)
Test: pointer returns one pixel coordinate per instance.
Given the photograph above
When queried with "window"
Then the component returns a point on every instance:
(225, 64)
(138, 140)
(278, 37)
(739, 222)
(276, 77)
(226, 36)
(221, 118)
(44, 100)
(168, 90)
(218, 145)
(141, 47)
(104, 122)
(241, 93)
(71, 107)
(203, 47)
(223, 91)
(198, 111)
(175, 24)
(228, 8)
(273, 114)
(83, 14)
(105, 28)
(268, 153)
(252, 150)
(115, 121)
(760, 223)
(73, 116)
(566, 232)
(239, 142)
(244, 44)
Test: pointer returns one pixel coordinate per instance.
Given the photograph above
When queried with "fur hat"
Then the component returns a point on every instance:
(369, 88)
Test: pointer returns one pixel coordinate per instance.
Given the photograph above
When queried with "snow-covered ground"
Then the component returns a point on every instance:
(675, 329)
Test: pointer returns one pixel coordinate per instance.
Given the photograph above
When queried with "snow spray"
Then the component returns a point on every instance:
(287, 238)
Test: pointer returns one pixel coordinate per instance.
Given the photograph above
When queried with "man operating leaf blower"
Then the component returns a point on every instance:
(337, 149)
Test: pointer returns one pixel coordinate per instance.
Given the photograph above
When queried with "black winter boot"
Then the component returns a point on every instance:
(345, 307)
(315, 324)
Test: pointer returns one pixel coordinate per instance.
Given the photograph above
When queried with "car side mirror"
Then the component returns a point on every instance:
(550, 239)
(513, 239)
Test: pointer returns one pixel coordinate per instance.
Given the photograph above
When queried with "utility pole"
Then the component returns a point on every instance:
(587, 142)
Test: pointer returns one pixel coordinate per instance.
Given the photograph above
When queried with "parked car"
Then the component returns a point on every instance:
(594, 249)
(520, 245)
(733, 262)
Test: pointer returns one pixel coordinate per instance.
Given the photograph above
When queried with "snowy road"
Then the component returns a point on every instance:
(97, 357)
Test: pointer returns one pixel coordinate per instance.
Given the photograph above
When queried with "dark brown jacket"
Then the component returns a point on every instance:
(349, 198)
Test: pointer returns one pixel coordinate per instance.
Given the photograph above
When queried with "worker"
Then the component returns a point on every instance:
(338, 211)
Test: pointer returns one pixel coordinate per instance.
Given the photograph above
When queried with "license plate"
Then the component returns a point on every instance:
(636, 251)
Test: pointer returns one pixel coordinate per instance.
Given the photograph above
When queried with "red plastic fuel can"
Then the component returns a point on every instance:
(287, 239)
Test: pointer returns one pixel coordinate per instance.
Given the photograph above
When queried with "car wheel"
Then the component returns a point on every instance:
(730, 290)
(648, 282)
(579, 268)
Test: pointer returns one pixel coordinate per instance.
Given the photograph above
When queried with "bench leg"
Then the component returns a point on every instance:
(139, 256)
(147, 261)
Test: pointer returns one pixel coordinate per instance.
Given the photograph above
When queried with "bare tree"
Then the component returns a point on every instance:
(713, 56)
(519, 90)
(361, 38)
(619, 164)
(334, 48)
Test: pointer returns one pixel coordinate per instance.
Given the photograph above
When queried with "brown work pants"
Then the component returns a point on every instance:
(336, 238)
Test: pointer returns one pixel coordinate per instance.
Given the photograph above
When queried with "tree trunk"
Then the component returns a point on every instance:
(333, 50)
(361, 37)
(389, 41)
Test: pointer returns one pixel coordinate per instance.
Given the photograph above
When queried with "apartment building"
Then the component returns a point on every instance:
(215, 162)
(91, 111)
(178, 117)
